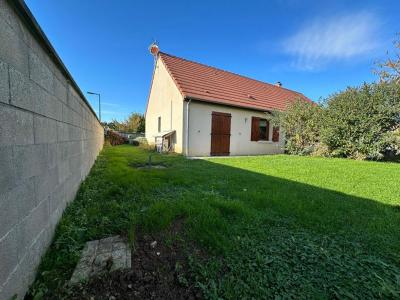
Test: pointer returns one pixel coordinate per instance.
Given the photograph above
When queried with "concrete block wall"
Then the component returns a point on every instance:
(49, 140)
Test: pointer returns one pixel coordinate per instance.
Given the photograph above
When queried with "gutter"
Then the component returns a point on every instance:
(215, 102)
(187, 127)
(32, 25)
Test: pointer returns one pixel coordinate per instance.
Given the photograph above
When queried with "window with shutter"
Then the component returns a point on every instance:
(259, 129)
(275, 134)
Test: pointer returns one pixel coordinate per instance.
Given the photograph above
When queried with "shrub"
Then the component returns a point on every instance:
(392, 139)
(115, 139)
(358, 122)
(301, 122)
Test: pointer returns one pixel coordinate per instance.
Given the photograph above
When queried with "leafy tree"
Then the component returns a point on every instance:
(359, 122)
(389, 70)
(301, 122)
(111, 125)
(134, 123)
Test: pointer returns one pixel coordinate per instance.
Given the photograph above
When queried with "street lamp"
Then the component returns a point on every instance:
(91, 93)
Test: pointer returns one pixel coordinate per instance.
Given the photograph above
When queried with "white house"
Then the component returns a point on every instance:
(200, 110)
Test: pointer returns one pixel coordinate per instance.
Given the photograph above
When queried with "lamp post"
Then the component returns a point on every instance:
(91, 93)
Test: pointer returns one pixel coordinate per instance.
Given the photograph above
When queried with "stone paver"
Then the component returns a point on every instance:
(109, 254)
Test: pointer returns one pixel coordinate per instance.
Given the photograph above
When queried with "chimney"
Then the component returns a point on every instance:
(153, 48)
(278, 83)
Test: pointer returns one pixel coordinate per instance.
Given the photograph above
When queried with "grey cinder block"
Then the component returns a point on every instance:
(33, 255)
(45, 184)
(4, 83)
(60, 91)
(57, 199)
(24, 274)
(20, 89)
(46, 104)
(63, 171)
(7, 174)
(8, 212)
(24, 128)
(15, 204)
(14, 52)
(30, 160)
(8, 125)
(62, 132)
(66, 114)
(24, 195)
(31, 226)
(8, 254)
(51, 155)
(45, 130)
(40, 73)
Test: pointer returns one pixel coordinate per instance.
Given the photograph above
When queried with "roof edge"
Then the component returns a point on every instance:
(170, 74)
(33, 26)
(216, 102)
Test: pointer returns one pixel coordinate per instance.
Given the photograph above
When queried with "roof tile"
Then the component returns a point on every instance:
(205, 83)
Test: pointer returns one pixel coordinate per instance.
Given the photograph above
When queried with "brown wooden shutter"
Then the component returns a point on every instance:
(275, 134)
(255, 127)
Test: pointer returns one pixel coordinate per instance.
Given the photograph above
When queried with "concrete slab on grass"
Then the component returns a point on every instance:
(105, 255)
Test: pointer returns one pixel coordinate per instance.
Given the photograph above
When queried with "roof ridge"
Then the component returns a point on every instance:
(236, 74)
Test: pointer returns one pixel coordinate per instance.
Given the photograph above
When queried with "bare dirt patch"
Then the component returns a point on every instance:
(159, 271)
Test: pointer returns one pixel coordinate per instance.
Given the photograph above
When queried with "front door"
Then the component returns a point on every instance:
(220, 133)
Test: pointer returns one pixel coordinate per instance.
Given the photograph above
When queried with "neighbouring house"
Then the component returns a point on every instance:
(200, 110)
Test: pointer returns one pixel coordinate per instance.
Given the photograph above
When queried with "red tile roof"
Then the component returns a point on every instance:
(205, 83)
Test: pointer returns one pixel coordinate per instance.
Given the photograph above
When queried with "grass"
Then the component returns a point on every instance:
(274, 226)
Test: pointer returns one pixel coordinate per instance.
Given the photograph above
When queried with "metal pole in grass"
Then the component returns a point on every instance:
(98, 94)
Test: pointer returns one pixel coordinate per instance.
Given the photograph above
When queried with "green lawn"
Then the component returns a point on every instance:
(295, 227)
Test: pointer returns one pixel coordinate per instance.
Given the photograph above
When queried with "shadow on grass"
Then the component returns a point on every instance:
(234, 191)
(279, 237)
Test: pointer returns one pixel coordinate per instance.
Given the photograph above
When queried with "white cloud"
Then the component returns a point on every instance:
(337, 38)
(111, 104)
(111, 112)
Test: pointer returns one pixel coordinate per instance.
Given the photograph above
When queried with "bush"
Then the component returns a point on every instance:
(358, 122)
(115, 139)
(301, 121)
(392, 139)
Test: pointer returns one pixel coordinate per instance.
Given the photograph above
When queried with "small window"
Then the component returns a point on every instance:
(263, 131)
(259, 129)
(159, 124)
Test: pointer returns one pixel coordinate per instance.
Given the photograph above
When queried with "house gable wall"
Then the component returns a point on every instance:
(165, 101)
(200, 114)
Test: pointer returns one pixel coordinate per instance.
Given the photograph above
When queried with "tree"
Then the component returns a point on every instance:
(135, 123)
(389, 70)
(301, 122)
(361, 122)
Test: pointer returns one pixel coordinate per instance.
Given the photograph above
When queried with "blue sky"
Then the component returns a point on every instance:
(314, 47)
